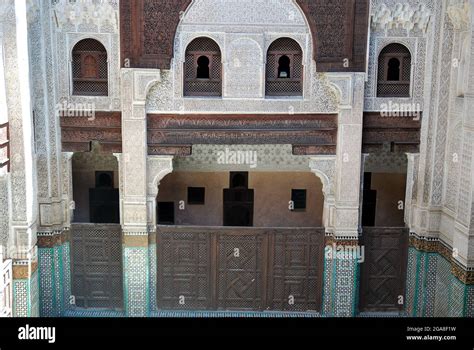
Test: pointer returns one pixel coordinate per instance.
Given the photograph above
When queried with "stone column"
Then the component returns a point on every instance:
(411, 188)
(24, 216)
(134, 196)
(67, 188)
(341, 273)
(52, 208)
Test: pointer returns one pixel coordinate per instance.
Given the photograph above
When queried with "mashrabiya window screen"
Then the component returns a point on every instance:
(203, 68)
(394, 71)
(284, 68)
(90, 69)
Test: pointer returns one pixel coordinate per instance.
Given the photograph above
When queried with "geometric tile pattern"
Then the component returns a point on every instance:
(458, 298)
(470, 301)
(153, 281)
(429, 287)
(345, 287)
(443, 287)
(136, 280)
(58, 279)
(25, 297)
(54, 280)
(411, 281)
(327, 287)
(66, 268)
(433, 290)
(46, 280)
(21, 307)
(340, 291)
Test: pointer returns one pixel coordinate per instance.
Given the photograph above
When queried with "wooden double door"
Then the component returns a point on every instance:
(239, 269)
(383, 273)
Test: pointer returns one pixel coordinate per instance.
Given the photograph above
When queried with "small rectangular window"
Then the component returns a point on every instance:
(196, 195)
(298, 198)
(166, 213)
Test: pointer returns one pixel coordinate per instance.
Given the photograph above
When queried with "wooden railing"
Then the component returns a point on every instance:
(5, 147)
(6, 287)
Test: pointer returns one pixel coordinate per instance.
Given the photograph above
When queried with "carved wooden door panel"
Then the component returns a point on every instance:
(383, 274)
(184, 271)
(296, 271)
(240, 269)
(96, 260)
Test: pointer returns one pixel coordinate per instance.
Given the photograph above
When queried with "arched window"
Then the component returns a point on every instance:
(394, 72)
(284, 68)
(89, 69)
(203, 68)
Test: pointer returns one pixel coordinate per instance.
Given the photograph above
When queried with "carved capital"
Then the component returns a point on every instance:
(325, 169)
(86, 12)
(157, 168)
(403, 16)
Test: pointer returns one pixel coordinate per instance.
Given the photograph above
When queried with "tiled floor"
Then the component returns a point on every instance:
(78, 313)
(193, 314)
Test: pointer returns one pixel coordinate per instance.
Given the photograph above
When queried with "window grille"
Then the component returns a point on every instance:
(394, 72)
(90, 69)
(284, 68)
(203, 68)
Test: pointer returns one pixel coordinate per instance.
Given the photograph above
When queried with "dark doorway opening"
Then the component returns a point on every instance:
(238, 201)
(203, 67)
(284, 67)
(369, 203)
(165, 213)
(104, 199)
(393, 73)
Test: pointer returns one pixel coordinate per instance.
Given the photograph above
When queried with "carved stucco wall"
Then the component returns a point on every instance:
(23, 200)
(443, 192)
(54, 28)
(48, 156)
(244, 30)
(408, 23)
(4, 211)
(74, 21)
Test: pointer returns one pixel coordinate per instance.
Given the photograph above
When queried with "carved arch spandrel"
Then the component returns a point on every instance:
(148, 29)
(325, 169)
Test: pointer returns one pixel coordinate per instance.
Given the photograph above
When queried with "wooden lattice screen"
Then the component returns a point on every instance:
(397, 85)
(89, 69)
(203, 68)
(288, 83)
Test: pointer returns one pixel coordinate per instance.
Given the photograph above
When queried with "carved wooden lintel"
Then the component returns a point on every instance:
(398, 134)
(310, 134)
(78, 132)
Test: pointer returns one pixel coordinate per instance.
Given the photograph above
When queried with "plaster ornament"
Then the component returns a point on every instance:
(459, 13)
(85, 12)
(401, 16)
